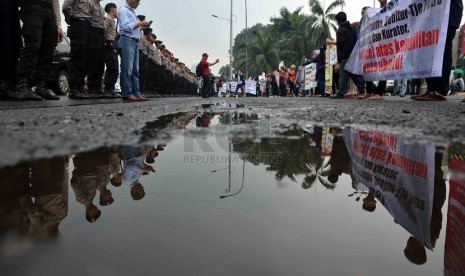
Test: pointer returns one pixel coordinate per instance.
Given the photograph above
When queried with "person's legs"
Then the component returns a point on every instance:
(34, 20)
(343, 80)
(127, 63)
(438, 87)
(96, 61)
(205, 87)
(320, 77)
(78, 32)
(111, 74)
(135, 70)
(359, 83)
(45, 57)
(402, 87)
(237, 89)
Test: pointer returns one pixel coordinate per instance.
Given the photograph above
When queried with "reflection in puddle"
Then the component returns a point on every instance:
(231, 193)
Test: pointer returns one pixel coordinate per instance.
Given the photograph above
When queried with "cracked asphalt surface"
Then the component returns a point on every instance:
(32, 130)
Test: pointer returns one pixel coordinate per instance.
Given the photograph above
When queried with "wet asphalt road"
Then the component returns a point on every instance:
(33, 130)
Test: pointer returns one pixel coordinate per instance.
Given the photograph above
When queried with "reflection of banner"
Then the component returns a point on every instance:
(331, 59)
(395, 40)
(310, 76)
(251, 87)
(400, 174)
(454, 258)
(327, 141)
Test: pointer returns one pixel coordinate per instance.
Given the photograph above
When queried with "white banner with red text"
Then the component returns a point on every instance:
(399, 173)
(405, 39)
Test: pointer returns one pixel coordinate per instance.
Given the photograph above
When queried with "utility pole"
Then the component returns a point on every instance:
(231, 43)
(246, 43)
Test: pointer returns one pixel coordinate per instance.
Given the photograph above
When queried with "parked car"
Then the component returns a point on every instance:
(58, 77)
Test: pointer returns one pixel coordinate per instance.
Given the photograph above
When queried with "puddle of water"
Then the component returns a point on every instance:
(231, 193)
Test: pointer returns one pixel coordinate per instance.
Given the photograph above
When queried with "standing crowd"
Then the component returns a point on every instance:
(291, 82)
(97, 42)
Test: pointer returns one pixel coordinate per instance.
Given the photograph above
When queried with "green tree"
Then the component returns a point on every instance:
(319, 173)
(224, 71)
(262, 54)
(325, 19)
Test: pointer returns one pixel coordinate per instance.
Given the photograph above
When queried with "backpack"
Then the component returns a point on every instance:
(198, 70)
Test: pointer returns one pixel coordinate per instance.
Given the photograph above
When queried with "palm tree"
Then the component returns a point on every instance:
(224, 71)
(262, 54)
(298, 41)
(319, 172)
(325, 19)
(283, 23)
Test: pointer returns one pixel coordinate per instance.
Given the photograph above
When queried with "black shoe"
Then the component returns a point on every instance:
(95, 94)
(4, 90)
(337, 96)
(77, 94)
(24, 93)
(45, 92)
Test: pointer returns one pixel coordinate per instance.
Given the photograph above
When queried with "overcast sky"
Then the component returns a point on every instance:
(188, 29)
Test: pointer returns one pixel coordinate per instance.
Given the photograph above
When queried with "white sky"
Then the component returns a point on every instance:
(188, 29)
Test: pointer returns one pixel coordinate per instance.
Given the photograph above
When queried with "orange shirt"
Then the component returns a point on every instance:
(292, 76)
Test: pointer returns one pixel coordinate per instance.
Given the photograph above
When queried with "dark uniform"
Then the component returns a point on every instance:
(96, 46)
(10, 44)
(78, 16)
(40, 18)
(111, 57)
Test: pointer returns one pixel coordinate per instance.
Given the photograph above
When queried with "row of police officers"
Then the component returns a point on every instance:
(25, 62)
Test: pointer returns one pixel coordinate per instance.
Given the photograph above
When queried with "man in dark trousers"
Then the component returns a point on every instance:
(345, 41)
(10, 32)
(96, 46)
(78, 16)
(239, 78)
(41, 30)
(111, 54)
(205, 66)
(320, 60)
(438, 87)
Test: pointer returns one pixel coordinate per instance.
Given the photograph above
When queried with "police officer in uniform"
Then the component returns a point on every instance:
(78, 16)
(111, 54)
(41, 30)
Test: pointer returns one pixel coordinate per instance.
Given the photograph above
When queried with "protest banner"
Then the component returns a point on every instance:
(310, 76)
(395, 40)
(399, 173)
(251, 87)
(232, 86)
(222, 89)
(331, 60)
(454, 255)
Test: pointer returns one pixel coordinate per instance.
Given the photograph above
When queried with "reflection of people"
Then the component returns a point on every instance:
(116, 175)
(134, 167)
(369, 202)
(203, 121)
(35, 200)
(91, 172)
(340, 160)
(14, 193)
(415, 250)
